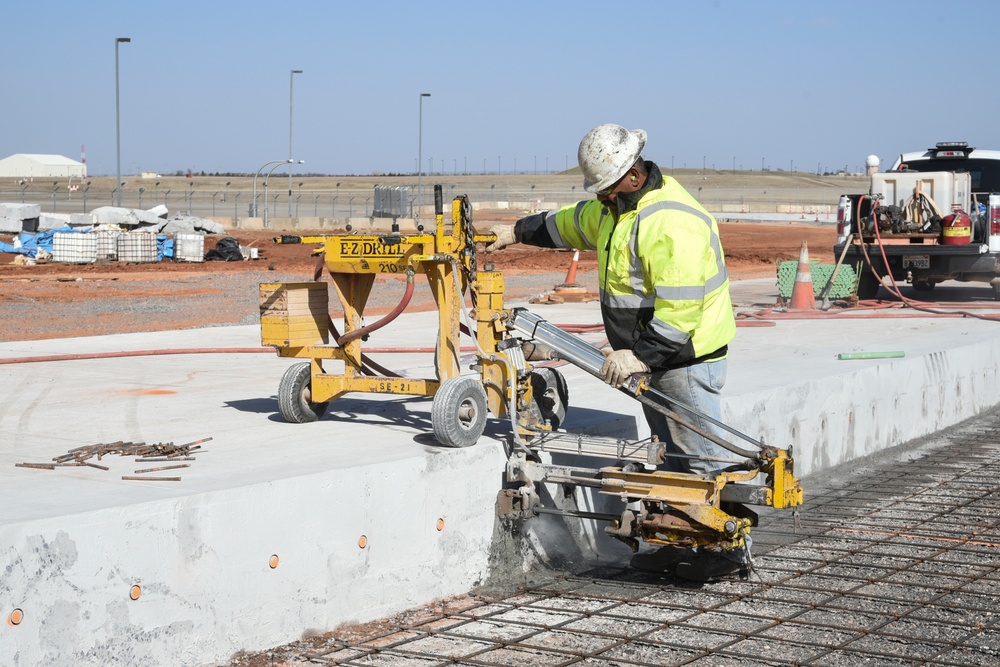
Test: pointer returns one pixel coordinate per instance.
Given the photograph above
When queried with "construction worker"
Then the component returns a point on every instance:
(664, 301)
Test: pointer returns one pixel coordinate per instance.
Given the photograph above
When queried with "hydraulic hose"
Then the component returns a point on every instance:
(894, 290)
(136, 353)
(393, 314)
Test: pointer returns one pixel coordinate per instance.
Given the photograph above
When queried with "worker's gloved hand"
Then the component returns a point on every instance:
(537, 352)
(620, 365)
(505, 237)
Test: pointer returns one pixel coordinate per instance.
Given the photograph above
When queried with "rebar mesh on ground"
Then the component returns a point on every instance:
(898, 564)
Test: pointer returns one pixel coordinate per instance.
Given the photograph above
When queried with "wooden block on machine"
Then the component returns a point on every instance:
(294, 314)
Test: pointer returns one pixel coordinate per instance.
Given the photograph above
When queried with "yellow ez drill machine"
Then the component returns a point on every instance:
(665, 507)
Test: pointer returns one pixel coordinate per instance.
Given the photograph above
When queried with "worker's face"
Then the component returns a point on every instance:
(609, 195)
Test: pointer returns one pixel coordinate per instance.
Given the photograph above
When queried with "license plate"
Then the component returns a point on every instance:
(916, 261)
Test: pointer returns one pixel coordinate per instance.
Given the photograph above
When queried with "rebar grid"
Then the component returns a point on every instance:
(897, 565)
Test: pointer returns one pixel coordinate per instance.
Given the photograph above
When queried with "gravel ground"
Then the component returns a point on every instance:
(44, 308)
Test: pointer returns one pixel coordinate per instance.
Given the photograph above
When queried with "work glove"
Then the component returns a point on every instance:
(505, 237)
(620, 365)
(537, 352)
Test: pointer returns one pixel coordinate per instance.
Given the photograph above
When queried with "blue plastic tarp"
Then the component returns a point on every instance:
(31, 242)
(164, 248)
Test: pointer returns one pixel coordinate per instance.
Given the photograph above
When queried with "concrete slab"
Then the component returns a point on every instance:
(365, 514)
(20, 211)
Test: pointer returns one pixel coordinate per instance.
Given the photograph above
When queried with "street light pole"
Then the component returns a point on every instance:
(279, 163)
(420, 152)
(291, 88)
(118, 134)
(253, 203)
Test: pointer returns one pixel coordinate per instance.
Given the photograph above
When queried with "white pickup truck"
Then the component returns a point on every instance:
(902, 225)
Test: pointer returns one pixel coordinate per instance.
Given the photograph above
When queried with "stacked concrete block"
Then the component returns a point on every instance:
(158, 211)
(15, 218)
(113, 215)
(187, 224)
(81, 220)
(47, 221)
(20, 211)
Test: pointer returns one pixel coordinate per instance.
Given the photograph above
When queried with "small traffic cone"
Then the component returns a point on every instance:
(803, 297)
(568, 291)
(571, 274)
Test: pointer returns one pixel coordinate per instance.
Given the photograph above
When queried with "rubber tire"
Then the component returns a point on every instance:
(550, 394)
(922, 285)
(458, 413)
(996, 290)
(867, 285)
(293, 396)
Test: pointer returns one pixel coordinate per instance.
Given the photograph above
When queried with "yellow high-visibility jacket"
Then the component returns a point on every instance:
(663, 282)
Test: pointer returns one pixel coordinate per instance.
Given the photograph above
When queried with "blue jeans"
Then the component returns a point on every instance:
(697, 386)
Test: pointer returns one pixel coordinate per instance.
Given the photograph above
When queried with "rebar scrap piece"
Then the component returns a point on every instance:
(164, 451)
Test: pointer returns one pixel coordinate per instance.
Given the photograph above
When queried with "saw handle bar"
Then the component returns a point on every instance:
(584, 355)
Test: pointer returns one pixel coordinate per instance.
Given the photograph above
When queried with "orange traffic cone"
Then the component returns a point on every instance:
(803, 297)
(571, 274)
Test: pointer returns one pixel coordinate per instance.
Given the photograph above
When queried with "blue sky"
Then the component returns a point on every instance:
(205, 85)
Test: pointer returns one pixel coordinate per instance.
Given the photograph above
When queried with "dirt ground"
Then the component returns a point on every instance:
(58, 300)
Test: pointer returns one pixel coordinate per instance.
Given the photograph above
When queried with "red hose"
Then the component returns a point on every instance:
(137, 353)
(400, 307)
(922, 306)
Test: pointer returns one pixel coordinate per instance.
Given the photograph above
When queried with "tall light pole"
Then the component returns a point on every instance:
(253, 203)
(118, 132)
(291, 88)
(420, 152)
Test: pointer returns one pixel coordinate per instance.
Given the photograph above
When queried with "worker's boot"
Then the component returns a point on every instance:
(663, 560)
(713, 565)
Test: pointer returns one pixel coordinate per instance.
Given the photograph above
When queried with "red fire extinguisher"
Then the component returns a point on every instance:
(956, 229)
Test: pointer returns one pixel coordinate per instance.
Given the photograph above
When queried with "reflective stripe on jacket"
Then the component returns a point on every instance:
(663, 281)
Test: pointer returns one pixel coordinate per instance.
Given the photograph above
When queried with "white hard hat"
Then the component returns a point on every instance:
(606, 153)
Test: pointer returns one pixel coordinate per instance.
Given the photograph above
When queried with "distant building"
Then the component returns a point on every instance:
(31, 165)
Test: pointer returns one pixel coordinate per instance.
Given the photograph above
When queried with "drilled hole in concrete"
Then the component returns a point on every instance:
(272, 562)
(440, 524)
(15, 617)
(362, 542)
(135, 592)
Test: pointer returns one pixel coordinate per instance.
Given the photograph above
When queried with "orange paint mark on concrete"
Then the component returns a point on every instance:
(143, 392)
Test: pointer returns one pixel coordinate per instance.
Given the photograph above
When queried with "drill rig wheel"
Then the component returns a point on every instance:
(458, 412)
(294, 396)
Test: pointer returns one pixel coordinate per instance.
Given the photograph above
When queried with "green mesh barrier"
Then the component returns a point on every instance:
(843, 285)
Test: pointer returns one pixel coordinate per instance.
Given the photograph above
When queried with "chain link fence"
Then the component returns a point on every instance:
(360, 199)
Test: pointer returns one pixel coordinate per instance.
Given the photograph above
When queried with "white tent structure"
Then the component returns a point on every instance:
(30, 165)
